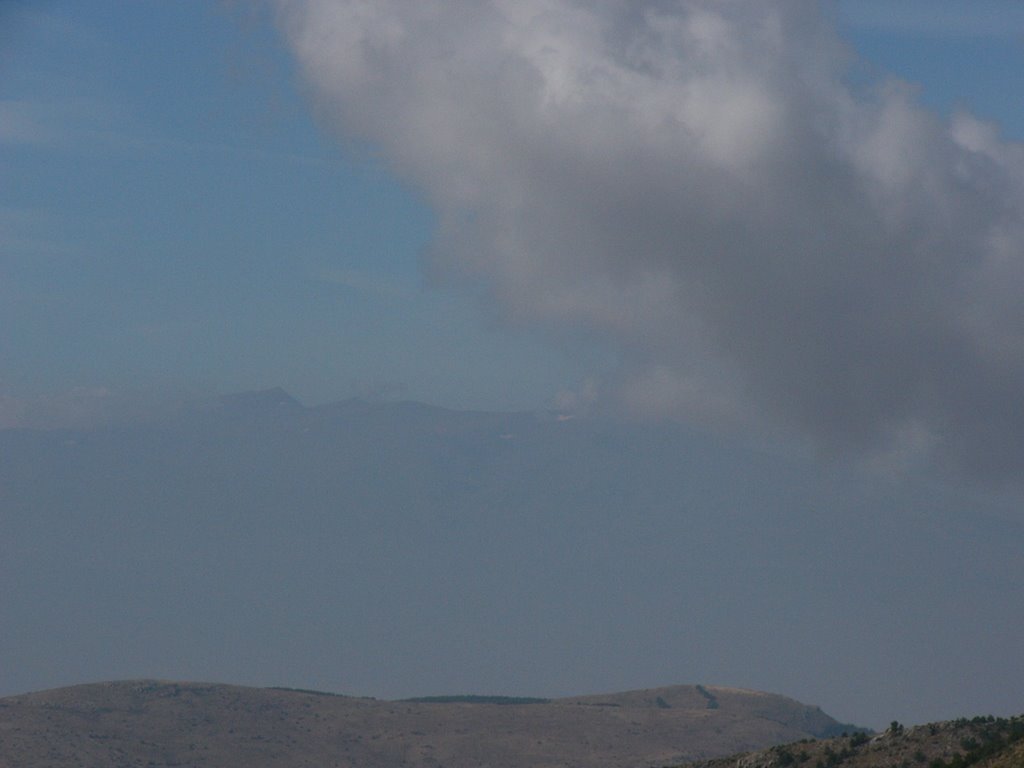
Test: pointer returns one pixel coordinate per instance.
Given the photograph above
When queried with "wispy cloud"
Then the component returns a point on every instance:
(22, 122)
(78, 407)
(72, 124)
(87, 407)
(33, 234)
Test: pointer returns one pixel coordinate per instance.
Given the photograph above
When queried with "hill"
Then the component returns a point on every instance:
(981, 742)
(155, 724)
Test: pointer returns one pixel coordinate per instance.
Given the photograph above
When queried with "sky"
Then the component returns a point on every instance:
(789, 223)
(202, 198)
(174, 218)
(183, 208)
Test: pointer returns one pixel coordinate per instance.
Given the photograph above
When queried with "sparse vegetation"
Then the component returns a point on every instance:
(303, 690)
(712, 701)
(980, 742)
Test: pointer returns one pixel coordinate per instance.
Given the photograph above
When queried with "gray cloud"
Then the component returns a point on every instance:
(699, 182)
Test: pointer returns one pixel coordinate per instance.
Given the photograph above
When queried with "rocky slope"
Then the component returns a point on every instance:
(981, 742)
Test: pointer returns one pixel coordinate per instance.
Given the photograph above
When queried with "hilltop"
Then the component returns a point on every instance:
(153, 723)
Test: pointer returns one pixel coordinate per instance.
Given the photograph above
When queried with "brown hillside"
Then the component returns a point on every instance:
(151, 724)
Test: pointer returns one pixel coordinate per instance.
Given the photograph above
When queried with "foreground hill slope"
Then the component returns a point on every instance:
(981, 742)
(151, 723)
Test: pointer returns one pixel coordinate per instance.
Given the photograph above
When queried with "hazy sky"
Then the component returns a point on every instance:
(783, 221)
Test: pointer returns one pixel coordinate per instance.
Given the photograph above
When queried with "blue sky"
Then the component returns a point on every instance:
(173, 216)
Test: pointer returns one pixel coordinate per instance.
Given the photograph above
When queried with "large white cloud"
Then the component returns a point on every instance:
(698, 181)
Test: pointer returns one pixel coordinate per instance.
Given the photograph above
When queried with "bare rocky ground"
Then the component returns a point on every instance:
(155, 723)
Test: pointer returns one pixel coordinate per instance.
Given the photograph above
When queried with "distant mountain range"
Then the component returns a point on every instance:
(155, 724)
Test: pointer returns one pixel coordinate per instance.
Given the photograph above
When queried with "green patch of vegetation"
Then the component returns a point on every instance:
(471, 699)
(785, 757)
(304, 690)
(859, 739)
(712, 701)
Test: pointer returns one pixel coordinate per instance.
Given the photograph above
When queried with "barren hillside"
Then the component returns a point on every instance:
(150, 723)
